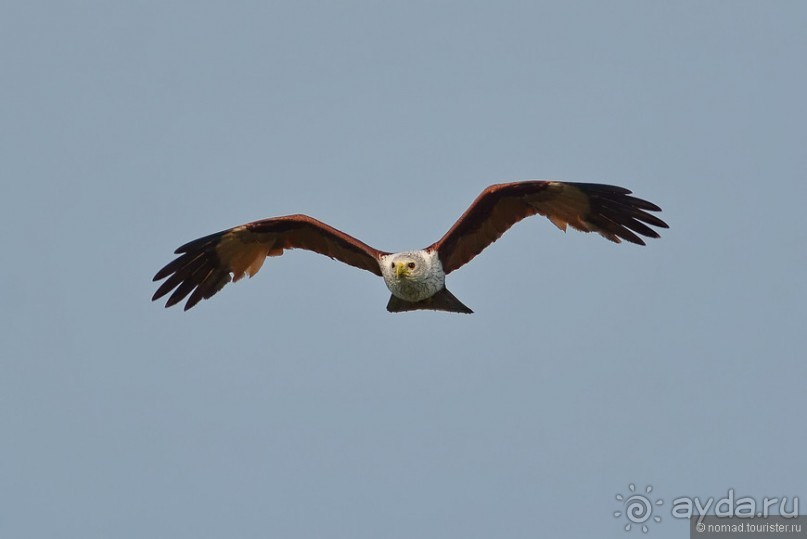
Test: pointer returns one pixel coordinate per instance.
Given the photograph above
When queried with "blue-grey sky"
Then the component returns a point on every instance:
(293, 405)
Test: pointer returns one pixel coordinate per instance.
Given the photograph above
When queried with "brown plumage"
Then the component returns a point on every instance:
(589, 207)
(205, 265)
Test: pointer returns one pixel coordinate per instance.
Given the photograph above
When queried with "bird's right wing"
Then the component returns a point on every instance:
(590, 207)
(207, 264)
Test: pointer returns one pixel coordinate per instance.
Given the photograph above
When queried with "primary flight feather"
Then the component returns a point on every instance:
(416, 279)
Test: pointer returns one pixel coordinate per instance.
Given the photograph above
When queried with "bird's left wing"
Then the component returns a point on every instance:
(589, 207)
(207, 264)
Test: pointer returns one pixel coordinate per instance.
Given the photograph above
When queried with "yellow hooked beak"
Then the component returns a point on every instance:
(401, 270)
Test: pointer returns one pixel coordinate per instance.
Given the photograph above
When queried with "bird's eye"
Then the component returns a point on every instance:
(411, 265)
(392, 265)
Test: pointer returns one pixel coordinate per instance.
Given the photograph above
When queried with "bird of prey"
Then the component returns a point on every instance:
(416, 279)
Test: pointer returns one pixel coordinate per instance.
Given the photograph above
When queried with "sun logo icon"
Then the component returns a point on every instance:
(638, 508)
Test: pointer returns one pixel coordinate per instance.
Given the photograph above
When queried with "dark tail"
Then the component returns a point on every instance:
(441, 301)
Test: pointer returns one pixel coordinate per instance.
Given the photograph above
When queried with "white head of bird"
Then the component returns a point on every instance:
(413, 275)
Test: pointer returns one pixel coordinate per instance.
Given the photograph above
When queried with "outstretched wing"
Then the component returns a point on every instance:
(589, 207)
(207, 264)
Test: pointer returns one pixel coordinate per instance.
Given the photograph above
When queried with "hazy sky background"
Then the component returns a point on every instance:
(293, 405)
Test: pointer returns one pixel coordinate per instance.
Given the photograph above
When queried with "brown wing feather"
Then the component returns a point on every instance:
(207, 264)
(589, 207)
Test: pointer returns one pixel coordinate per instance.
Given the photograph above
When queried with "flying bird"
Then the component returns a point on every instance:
(416, 279)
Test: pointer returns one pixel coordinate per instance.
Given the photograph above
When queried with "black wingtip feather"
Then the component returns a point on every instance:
(207, 289)
(196, 272)
(180, 293)
(618, 213)
(200, 243)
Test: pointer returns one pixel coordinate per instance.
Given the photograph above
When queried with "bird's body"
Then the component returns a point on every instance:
(417, 281)
(413, 275)
(416, 278)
